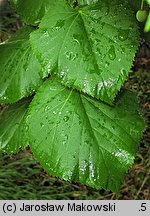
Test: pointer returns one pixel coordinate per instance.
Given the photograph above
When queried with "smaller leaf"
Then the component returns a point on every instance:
(31, 12)
(12, 134)
(20, 72)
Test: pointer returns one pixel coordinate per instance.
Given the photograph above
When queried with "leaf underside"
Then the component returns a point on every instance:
(20, 71)
(91, 47)
(80, 139)
(12, 133)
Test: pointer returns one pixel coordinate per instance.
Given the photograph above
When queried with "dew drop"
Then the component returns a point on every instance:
(59, 24)
(99, 87)
(123, 72)
(76, 38)
(37, 21)
(65, 138)
(106, 64)
(111, 53)
(46, 34)
(83, 167)
(66, 118)
(91, 166)
(27, 128)
(41, 124)
(71, 55)
(48, 68)
(47, 108)
(113, 127)
(102, 25)
(123, 34)
(62, 74)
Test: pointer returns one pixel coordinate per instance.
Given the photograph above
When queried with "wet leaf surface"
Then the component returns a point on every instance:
(91, 48)
(12, 134)
(29, 11)
(80, 139)
(20, 72)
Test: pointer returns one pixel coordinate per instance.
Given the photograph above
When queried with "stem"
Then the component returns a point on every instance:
(142, 4)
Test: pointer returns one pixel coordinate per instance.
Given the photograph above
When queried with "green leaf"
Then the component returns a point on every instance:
(20, 71)
(12, 134)
(87, 2)
(31, 12)
(90, 48)
(78, 138)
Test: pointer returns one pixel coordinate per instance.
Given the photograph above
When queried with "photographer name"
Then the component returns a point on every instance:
(70, 207)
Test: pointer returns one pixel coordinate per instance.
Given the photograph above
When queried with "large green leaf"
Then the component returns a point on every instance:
(20, 71)
(90, 48)
(78, 138)
(31, 12)
(12, 133)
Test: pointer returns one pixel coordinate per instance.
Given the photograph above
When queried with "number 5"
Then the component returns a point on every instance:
(143, 207)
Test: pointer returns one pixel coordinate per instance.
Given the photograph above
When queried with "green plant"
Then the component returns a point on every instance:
(80, 55)
(142, 15)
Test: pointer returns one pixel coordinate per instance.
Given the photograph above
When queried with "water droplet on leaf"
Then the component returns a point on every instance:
(123, 34)
(111, 53)
(66, 118)
(59, 24)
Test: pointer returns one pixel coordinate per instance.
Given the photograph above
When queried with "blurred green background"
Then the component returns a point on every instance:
(21, 177)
